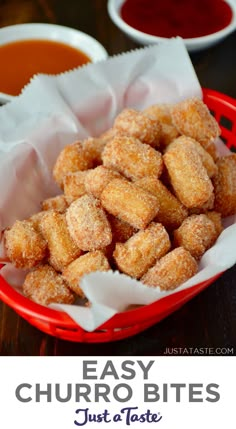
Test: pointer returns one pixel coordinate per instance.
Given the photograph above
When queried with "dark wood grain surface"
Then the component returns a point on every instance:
(208, 322)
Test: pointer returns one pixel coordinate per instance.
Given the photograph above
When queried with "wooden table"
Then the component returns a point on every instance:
(209, 320)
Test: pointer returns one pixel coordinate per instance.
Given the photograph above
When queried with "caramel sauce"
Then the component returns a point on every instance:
(20, 60)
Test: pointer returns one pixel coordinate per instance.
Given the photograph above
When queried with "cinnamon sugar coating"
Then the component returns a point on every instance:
(85, 264)
(97, 179)
(45, 286)
(25, 247)
(188, 176)
(121, 231)
(161, 113)
(129, 203)
(136, 124)
(171, 211)
(133, 159)
(208, 205)
(72, 158)
(35, 219)
(207, 160)
(62, 249)
(74, 185)
(88, 224)
(193, 118)
(225, 186)
(140, 252)
(172, 270)
(196, 234)
(109, 134)
(57, 203)
(215, 217)
(93, 147)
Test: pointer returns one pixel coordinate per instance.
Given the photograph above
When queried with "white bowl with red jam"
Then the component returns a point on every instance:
(201, 23)
(28, 49)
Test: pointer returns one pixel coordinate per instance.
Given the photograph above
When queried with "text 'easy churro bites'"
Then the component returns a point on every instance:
(146, 198)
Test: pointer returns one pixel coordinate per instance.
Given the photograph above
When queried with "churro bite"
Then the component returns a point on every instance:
(85, 264)
(133, 159)
(172, 270)
(193, 118)
(140, 252)
(35, 219)
(109, 134)
(168, 134)
(188, 176)
(45, 286)
(135, 124)
(208, 205)
(121, 231)
(161, 113)
(215, 217)
(62, 249)
(210, 147)
(129, 203)
(207, 160)
(94, 148)
(88, 224)
(171, 211)
(57, 203)
(196, 234)
(97, 179)
(225, 186)
(74, 185)
(25, 247)
(71, 159)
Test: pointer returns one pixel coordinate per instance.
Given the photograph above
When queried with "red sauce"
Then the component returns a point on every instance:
(170, 18)
(19, 61)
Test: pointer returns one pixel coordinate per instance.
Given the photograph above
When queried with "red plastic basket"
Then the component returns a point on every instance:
(128, 323)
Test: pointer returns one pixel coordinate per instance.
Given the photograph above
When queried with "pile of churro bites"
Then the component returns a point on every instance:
(146, 198)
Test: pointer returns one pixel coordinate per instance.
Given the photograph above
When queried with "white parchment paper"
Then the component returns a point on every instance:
(55, 111)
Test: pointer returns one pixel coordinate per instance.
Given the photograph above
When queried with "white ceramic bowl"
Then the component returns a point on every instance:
(192, 45)
(58, 33)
